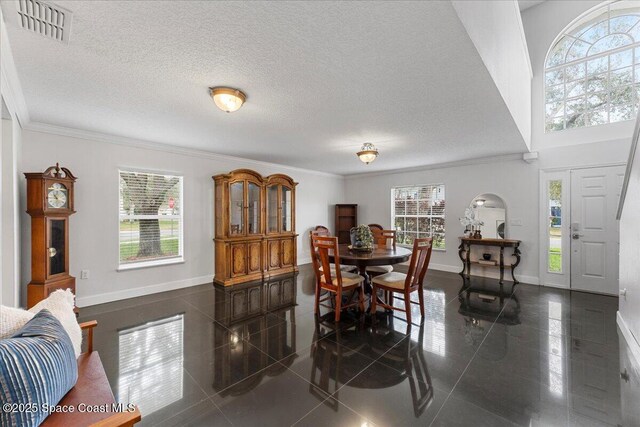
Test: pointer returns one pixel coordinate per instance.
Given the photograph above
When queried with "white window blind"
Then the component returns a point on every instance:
(418, 212)
(151, 361)
(150, 218)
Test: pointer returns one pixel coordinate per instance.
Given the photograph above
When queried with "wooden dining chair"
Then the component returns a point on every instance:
(333, 280)
(321, 230)
(405, 284)
(382, 238)
(375, 227)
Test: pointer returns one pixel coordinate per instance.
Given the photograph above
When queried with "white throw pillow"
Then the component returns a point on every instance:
(12, 319)
(60, 303)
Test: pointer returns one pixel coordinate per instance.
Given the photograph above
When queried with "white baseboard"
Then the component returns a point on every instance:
(633, 344)
(138, 292)
(531, 280)
(445, 267)
(303, 261)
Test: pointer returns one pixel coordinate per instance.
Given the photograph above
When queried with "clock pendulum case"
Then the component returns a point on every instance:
(49, 203)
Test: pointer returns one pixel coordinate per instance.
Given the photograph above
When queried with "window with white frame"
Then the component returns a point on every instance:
(592, 72)
(418, 211)
(150, 231)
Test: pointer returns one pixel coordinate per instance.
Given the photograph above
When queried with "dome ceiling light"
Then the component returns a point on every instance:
(367, 153)
(227, 99)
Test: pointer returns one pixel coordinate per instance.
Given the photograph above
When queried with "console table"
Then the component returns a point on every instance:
(464, 252)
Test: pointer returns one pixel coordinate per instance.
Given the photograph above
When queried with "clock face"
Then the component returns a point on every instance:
(57, 196)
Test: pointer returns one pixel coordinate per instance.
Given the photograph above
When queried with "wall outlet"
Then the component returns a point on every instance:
(84, 274)
(515, 222)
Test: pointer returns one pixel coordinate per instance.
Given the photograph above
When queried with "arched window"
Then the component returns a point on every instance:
(592, 72)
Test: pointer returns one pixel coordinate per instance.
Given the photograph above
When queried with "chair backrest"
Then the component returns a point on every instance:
(321, 248)
(384, 237)
(318, 231)
(374, 227)
(419, 262)
(322, 229)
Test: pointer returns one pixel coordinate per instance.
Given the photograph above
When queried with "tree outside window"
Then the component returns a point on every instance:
(592, 72)
(150, 217)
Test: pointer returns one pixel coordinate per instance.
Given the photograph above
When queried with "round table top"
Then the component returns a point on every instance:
(379, 256)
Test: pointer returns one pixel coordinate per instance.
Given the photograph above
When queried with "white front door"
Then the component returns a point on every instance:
(594, 232)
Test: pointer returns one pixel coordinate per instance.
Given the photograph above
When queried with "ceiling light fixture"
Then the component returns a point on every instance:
(227, 99)
(367, 153)
(480, 202)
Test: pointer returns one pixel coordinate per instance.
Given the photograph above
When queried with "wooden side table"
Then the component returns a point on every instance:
(464, 252)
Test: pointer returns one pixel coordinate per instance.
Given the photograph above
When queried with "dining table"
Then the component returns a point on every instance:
(380, 255)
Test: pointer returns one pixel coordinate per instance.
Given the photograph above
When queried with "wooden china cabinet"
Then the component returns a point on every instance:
(255, 234)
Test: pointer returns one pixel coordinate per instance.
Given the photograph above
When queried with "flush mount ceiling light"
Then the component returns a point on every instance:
(480, 202)
(227, 99)
(367, 153)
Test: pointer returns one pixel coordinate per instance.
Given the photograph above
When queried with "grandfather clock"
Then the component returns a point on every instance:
(49, 203)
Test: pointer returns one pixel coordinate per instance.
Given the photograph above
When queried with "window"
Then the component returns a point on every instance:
(150, 219)
(555, 226)
(592, 72)
(418, 211)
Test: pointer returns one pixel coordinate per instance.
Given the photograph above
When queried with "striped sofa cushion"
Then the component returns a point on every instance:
(37, 368)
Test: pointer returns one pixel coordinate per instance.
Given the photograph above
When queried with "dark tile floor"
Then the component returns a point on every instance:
(248, 355)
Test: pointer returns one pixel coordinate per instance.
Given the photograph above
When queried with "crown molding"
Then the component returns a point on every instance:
(457, 163)
(9, 82)
(156, 146)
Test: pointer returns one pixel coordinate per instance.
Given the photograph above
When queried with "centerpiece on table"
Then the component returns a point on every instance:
(361, 238)
(471, 224)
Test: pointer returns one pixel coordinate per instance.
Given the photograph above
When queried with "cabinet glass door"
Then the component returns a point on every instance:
(236, 208)
(286, 209)
(254, 208)
(56, 246)
(272, 209)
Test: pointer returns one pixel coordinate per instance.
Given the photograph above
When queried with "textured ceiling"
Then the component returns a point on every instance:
(321, 79)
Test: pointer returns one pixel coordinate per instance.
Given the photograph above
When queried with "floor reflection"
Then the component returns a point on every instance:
(483, 355)
(556, 351)
(435, 341)
(481, 303)
(251, 331)
(151, 360)
(338, 359)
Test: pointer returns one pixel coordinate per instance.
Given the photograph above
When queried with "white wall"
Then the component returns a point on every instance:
(542, 24)
(496, 31)
(94, 228)
(630, 254)
(10, 154)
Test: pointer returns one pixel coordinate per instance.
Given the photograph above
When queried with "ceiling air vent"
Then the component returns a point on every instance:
(46, 19)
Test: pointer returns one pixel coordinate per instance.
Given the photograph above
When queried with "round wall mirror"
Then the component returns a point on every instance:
(492, 211)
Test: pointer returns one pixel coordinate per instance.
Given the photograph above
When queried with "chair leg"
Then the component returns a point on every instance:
(407, 306)
(391, 298)
(317, 305)
(361, 296)
(374, 299)
(338, 304)
(421, 296)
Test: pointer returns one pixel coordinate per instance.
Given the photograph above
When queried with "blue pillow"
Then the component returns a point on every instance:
(37, 368)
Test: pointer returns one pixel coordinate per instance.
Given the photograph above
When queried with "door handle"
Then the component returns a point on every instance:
(576, 236)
